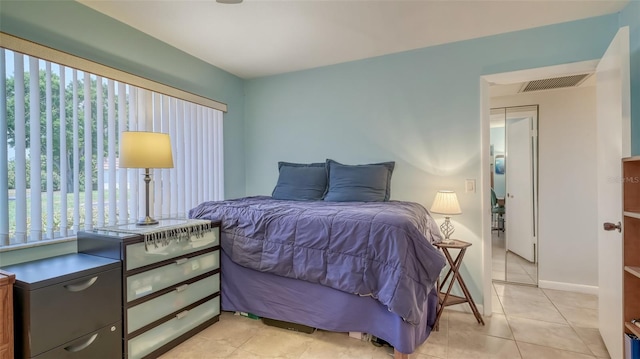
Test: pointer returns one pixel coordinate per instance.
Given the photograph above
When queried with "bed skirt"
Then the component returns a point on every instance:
(271, 296)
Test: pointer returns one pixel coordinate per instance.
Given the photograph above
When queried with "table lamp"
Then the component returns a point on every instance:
(145, 150)
(446, 202)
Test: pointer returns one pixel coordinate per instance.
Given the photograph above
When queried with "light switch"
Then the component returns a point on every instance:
(470, 186)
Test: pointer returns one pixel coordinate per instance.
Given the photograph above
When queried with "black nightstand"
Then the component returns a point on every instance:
(68, 307)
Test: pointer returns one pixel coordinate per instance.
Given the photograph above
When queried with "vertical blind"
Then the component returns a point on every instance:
(60, 158)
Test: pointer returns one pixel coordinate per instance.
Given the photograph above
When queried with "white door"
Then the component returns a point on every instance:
(519, 179)
(613, 143)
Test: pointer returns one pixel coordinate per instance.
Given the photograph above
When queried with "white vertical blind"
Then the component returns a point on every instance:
(133, 174)
(100, 150)
(156, 178)
(164, 196)
(193, 141)
(63, 155)
(20, 148)
(65, 152)
(123, 184)
(111, 148)
(179, 160)
(218, 175)
(173, 133)
(88, 171)
(34, 155)
(49, 148)
(200, 150)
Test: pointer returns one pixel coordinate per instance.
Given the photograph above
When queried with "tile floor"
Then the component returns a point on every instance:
(527, 323)
(508, 266)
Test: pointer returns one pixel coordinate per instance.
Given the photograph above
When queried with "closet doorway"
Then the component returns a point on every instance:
(514, 186)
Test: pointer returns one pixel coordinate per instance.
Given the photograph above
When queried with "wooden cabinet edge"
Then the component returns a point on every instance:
(633, 270)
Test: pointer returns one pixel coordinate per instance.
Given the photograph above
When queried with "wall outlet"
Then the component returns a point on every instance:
(470, 186)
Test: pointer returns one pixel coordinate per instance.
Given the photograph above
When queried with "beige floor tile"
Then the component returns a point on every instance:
(438, 342)
(496, 305)
(275, 342)
(211, 348)
(498, 274)
(532, 351)
(580, 317)
(464, 345)
(460, 336)
(495, 325)
(241, 354)
(232, 329)
(592, 338)
(422, 356)
(559, 336)
(531, 308)
(200, 348)
(340, 346)
(515, 268)
(572, 299)
(520, 291)
(519, 277)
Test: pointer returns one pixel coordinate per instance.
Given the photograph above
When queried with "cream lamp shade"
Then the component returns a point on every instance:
(446, 202)
(145, 150)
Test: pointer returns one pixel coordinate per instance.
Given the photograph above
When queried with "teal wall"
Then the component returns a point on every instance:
(630, 16)
(79, 30)
(74, 28)
(419, 108)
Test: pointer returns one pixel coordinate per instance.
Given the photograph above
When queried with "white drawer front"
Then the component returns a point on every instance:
(153, 339)
(138, 256)
(166, 276)
(184, 295)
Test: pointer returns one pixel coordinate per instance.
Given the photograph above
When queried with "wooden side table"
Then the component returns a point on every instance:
(446, 298)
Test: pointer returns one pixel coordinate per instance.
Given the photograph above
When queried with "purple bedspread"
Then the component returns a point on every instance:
(381, 249)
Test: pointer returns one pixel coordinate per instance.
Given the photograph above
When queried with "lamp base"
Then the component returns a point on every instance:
(146, 221)
(447, 229)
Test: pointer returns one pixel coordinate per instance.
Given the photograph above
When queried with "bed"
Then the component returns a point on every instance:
(340, 266)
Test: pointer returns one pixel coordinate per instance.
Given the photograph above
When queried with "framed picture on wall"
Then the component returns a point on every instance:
(499, 164)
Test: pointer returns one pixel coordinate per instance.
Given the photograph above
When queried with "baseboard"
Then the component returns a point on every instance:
(571, 287)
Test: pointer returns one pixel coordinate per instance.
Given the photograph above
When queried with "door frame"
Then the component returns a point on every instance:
(485, 143)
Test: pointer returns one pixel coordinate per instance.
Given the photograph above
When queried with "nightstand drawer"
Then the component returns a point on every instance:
(155, 338)
(171, 274)
(137, 256)
(64, 311)
(183, 295)
(104, 343)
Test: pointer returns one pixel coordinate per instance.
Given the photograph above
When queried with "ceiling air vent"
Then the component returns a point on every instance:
(554, 83)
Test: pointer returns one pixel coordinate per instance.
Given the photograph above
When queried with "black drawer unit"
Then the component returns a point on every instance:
(68, 307)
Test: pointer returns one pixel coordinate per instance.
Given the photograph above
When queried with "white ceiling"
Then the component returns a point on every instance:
(262, 37)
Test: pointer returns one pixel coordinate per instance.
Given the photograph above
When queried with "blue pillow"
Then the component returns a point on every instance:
(301, 182)
(359, 183)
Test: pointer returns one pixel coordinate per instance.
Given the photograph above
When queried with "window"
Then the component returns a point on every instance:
(60, 159)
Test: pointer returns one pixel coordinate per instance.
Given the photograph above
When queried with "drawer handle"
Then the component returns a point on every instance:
(79, 347)
(182, 314)
(182, 261)
(79, 287)
(182, 288)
